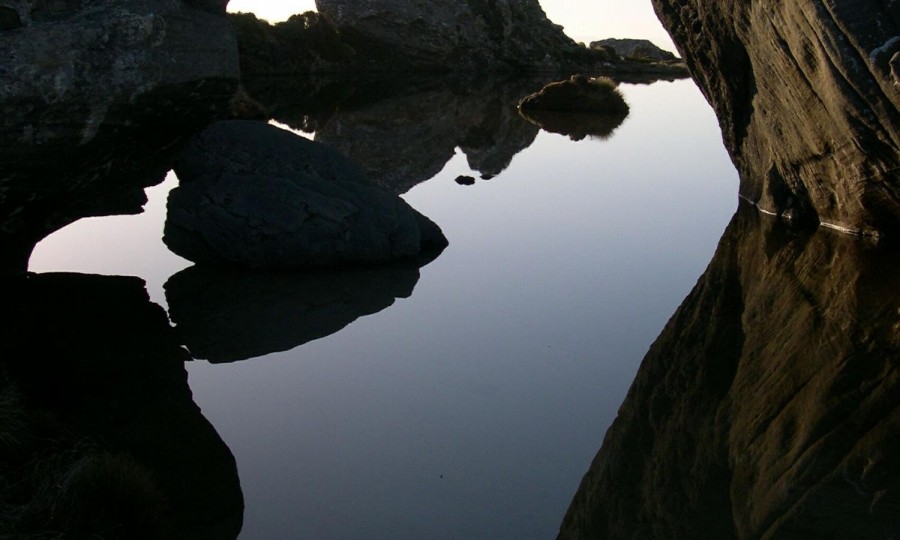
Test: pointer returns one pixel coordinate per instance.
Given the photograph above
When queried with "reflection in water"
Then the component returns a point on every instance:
(769, 407)
(406, 139)
(576, 125)
(404, 134)
(99, 435)
(228, 315)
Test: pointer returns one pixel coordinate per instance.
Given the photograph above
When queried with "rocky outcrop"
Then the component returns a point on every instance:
(769, 407)
(92, 98)
(635, 48)
(434, 36)
(806, 100)
(467, 34)
(256, 196)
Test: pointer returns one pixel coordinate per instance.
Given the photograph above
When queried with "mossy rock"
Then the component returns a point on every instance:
(578, 94)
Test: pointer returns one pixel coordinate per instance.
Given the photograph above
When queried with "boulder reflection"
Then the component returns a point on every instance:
(576, 126)
(229, 315)
(769, 407)
(99, 435)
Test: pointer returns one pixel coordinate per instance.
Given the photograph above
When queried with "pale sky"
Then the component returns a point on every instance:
(584, 20)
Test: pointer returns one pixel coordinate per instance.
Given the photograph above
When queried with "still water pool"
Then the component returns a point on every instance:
(472, 406)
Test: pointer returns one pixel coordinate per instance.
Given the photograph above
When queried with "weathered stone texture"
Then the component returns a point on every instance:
(806, 100)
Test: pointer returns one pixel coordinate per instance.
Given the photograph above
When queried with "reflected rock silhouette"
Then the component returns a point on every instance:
(576, 126)
(402, 131)
(228, 315)
(769, 407)
(406, 139)
(99, 435)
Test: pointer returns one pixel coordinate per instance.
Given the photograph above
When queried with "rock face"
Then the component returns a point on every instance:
(464, 34)
(769, 407)
(807, 101)
(635, 48)
(257, 196)
(93, 95)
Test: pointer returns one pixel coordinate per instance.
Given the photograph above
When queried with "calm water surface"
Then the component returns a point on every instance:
(473, 407)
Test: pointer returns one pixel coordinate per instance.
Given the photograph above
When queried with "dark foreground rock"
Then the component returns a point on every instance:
(99, 435)
(93, 96)
(769, 406)
(635, 48)
(257, 196)
(807, 102)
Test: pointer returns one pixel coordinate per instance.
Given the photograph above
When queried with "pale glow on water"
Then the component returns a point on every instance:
(473, 408)
(583, 21)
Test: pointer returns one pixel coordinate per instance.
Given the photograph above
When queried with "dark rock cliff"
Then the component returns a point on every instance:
(807, 97)
(769, 407)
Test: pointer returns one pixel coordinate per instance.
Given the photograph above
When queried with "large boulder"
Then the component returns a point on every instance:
(806, 100)
(455, 34)
(256, 196)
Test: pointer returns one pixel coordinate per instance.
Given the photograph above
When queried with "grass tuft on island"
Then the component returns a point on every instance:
(578, 94)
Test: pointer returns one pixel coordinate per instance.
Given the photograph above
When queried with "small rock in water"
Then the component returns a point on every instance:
(464, 180)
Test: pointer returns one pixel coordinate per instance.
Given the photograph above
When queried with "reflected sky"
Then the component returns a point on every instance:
(472, 408)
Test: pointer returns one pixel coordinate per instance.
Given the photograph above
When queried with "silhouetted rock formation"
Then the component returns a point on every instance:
(227, 316)
(305, 43)
(806, 99)
(455, 35)
(257, 196)
(99, 436)
(91, 99)
(635, 48)
(769, 407)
